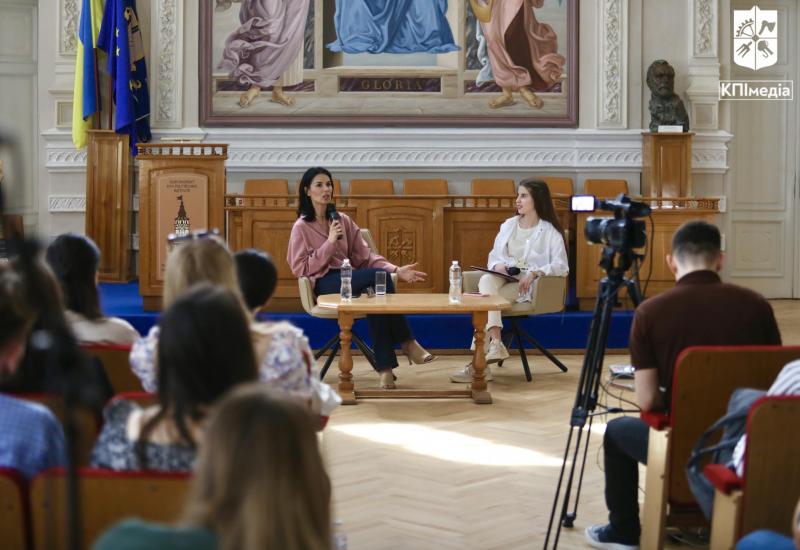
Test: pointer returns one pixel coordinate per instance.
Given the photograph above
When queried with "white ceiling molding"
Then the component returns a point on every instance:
(415, 150)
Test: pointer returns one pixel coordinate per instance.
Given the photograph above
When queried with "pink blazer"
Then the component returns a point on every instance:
(312, 255)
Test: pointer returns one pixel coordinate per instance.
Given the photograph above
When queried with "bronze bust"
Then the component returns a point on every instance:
(666, 108)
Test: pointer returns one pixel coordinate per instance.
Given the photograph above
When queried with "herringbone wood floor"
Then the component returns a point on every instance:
(429, 474)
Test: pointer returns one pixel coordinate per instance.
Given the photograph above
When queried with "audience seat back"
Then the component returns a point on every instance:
(141, 398)
(559, 186)
(772, 465)
(14, 519)
(106, 497)
(435, 186)
(371, 187)
(605, 189)
(88, 424)
(493, 187)
(266, 187)
(116, 364)
(705, 377)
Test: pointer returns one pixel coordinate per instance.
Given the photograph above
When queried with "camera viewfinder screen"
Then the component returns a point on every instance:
(582, 203)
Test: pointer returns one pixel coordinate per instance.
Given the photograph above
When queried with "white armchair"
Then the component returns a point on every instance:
(548, 297)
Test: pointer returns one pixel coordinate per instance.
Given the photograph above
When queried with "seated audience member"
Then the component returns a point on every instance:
(787, 383)
(259, 484)
(700, 310)
(204, 350)
(31, 439)
(257, 277)
(75, 260)
(282, 353)
(257, 280)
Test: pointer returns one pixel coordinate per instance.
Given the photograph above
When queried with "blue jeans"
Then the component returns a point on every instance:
(385, 331)
(624, 446)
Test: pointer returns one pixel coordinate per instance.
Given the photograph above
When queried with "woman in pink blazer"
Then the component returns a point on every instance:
(318, 246)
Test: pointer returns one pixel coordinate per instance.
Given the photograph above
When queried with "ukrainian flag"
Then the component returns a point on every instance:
(84, 93)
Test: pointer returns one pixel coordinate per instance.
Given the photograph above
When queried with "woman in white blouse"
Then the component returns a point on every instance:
(533, 242)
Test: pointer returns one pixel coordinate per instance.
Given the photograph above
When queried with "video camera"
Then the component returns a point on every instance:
(624, 231)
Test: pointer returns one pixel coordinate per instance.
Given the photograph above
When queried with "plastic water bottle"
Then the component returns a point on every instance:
(339, 536)
(455, 283)
(346, 291)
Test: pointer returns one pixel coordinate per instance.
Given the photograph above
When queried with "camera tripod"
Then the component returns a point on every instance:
(588, 386)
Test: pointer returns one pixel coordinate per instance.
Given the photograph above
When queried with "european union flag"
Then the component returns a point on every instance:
(121, 38)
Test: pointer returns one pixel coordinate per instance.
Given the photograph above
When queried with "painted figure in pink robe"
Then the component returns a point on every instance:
(523, 52)
(267, 49)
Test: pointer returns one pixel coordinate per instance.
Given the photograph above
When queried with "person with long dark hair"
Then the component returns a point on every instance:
(75, 260)
(532, 242)
(259, 483)
(204, 350)
(317, 248)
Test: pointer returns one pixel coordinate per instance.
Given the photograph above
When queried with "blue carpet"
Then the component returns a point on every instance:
(567, 330)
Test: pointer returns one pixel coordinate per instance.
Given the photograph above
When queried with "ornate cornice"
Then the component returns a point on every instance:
(167, 19)
(613, 77)
(68, 28)
(431, 150)
(66, 203)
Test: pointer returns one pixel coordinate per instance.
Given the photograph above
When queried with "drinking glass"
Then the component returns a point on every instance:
(380, 283)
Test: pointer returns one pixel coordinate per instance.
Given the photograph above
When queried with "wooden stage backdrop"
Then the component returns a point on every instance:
(434, 230)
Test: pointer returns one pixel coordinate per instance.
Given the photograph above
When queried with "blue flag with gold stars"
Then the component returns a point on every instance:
(121, 38)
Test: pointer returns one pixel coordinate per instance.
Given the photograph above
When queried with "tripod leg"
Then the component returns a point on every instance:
(522, 354)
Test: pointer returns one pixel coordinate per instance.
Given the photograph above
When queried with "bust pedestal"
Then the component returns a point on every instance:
(667, 164)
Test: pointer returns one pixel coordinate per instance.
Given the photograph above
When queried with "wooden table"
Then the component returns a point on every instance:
(478, 306)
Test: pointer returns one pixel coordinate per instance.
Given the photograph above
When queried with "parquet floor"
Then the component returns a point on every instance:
(430, 474)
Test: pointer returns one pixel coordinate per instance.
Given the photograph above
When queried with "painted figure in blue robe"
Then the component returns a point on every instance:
(392, 26)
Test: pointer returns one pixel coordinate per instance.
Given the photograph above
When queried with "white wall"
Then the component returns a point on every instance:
(618, 40)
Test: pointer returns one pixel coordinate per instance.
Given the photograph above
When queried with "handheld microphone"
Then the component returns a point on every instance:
(332, 214)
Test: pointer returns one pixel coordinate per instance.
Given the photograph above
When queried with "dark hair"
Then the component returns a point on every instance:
(697, 238)
(204, 350)
(74, 259)
(543, 202)
(304, 206)
(257, 276)
(16, 318)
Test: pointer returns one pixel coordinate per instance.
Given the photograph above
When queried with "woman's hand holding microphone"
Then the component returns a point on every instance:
(335, 231)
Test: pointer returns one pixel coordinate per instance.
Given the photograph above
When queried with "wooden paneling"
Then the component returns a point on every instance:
(667, 165)
(108, 195)
(156, 161)
(436, 230)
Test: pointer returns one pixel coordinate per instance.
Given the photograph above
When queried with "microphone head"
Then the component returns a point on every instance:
(330, 212)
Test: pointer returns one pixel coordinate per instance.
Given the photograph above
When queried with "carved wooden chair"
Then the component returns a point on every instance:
(703, 381)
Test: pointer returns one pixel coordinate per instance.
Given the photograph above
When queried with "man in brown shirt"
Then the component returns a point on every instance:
(700, 310)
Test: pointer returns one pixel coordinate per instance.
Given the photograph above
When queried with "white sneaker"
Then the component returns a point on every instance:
(496, 351)
(464, 376)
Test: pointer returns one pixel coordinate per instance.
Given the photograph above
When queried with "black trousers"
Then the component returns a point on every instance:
(385, 331)
(624, 447)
